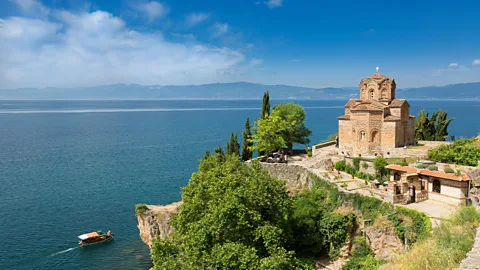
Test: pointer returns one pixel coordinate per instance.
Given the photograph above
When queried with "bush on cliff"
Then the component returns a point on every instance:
(140, 208)
(233, 216)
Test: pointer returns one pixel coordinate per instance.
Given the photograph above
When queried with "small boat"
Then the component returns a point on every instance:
(94, 238)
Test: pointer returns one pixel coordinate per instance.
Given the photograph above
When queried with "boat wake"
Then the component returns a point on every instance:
(63, 251)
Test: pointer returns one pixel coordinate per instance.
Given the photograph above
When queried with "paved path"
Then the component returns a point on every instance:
(473, 257)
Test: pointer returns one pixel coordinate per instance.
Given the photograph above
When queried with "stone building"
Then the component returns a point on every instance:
(376, 123)
(408, 185)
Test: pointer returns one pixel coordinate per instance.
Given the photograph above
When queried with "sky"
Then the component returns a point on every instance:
(312, 43)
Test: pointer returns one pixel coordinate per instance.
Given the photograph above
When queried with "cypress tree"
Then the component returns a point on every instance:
(265, 105)
(233, 147)
(247, 141)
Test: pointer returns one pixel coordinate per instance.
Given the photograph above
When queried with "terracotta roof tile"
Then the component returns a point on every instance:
(397, 103)
(437, 174)
(351, 103)
(392, 118)
(445, 175)
(401, 168)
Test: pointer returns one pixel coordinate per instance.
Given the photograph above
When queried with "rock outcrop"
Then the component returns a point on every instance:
(383, 239)
(157, 221)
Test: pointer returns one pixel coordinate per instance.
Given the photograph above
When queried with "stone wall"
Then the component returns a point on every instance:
(157, 221)
(296, 175)
(316, 149)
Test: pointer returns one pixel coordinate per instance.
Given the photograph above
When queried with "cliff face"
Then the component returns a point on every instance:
(157, 219)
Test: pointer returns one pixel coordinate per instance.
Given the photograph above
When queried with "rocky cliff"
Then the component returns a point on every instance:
(156, 220)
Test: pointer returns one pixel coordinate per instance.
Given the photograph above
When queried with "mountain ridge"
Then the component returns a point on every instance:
(235, 90)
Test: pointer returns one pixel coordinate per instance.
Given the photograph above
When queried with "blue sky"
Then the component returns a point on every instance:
(68, 43)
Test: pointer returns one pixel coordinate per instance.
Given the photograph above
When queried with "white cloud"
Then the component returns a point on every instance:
(188, 36)
(256, 61)
(193, 19)
(98, 48)
(153, 10)
(476, 62)
(219, 29)
(32, 7)
(274, 3)
(453, 65)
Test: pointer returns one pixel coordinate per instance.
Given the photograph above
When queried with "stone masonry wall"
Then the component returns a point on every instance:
(296, 176)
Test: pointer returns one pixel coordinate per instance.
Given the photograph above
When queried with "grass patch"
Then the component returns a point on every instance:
(446, 248)
(399, 160)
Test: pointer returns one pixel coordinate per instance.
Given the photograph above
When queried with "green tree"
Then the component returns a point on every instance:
(233, 216)
(284, 127)
(265, 105)
(294, 117)
(247, 141)
(379, 164)
(442, 125)
(434, 128)
(233, 147)
(267, 134)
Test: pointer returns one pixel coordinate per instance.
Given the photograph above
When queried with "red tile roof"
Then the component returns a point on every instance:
(397, 103)
(392, 118)
(445, 175)
(437, 174)
(401, 168)
(344, 117)
(351, 103)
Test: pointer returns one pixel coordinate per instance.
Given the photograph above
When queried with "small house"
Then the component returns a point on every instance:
(409, 185)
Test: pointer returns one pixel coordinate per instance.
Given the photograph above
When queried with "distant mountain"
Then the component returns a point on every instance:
(238, 90)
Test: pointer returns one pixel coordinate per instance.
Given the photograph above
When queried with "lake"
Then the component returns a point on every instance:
(71, 167)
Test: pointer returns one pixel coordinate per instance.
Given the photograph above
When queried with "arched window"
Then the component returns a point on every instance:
(362, 135)
(436, 186)
(371, 93)
(374, 136)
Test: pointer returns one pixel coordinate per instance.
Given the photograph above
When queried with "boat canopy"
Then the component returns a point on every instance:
(88, 235)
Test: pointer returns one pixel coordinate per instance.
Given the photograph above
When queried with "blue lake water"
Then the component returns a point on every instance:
(70, 167)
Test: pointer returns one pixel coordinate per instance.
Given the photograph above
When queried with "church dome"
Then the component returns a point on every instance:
(378, 76)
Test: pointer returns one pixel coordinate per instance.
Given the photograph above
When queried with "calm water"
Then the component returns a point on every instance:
(70, 167)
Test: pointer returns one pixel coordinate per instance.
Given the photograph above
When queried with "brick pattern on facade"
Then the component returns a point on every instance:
(377, 122)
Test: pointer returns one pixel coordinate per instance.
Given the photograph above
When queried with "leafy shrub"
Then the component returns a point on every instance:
(379, 164)
(404, 162)
(140, 208)
(309, 152)
(350, 170)
(344, 185)
(449, 170)
(462, 152)
(362, 256)
(365, 165)
(356, 164)
(458, 173)
(340, 166)
(421, 166)
(433, 168)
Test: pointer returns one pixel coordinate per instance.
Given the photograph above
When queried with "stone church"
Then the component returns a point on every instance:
(376, 123)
